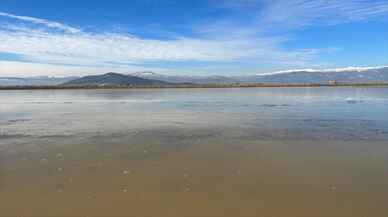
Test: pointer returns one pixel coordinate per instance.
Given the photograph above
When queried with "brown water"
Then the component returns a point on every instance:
(303, 152)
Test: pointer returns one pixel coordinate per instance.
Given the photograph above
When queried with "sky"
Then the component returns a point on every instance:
(189, 37)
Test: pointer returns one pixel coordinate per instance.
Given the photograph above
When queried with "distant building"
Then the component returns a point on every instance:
(333, 82)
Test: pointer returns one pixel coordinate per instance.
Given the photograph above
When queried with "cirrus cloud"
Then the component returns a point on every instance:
(42, 41)
(64, 45)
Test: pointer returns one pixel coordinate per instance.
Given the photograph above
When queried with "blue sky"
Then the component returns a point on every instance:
(224, 37)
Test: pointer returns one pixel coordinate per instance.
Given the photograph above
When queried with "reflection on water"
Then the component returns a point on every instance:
(299, 152)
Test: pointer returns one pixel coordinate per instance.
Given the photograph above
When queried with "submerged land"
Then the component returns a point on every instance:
(236, 152)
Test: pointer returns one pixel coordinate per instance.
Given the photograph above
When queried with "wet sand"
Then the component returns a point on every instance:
(261, 158)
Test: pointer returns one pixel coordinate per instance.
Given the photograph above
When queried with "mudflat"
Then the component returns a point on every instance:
(300, 152)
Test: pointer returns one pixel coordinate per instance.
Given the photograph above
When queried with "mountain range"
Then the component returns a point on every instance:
(34, 81)
(303, 76)
(113, 79)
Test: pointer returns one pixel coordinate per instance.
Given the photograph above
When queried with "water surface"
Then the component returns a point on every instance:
(299, 152)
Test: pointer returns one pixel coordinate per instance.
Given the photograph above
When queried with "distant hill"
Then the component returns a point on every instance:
(113, 79)
(34, 81)
(322, 76)
(213, 79)
(303, 76)
(342, 75)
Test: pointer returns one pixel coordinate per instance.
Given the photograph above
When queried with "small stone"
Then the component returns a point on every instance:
(126, 172)
(125, 190)
(59, 169)
(187, 189)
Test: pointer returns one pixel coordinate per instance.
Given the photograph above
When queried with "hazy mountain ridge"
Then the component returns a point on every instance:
(34, 81)
(214, 79)
(113, 79)
(345, 75)
(322, 76)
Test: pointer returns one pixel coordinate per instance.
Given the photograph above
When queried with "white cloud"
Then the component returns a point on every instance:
(44, 22)
(26, 69)
(79, 48)
(47, 46)
(60, 46)
(289, 14)
(296, 13)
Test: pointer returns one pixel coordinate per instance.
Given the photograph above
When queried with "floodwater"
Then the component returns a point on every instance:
(268, 152)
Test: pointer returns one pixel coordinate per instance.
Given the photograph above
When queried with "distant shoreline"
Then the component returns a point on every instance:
(194, 86)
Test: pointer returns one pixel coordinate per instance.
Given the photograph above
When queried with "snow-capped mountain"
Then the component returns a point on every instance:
(346, 75)
(321, 76)
(346, 69)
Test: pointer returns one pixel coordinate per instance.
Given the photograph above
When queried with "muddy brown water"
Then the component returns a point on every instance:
(293, 152)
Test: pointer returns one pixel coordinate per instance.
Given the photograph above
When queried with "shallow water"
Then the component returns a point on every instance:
(303, 152)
